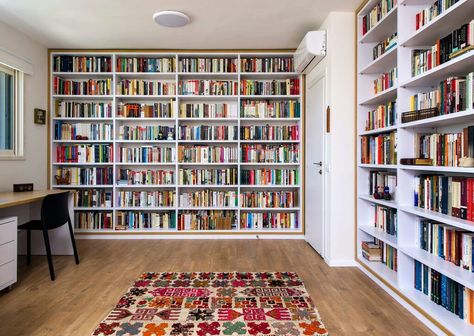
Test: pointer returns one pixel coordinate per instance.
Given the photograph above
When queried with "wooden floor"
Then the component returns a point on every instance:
(348, 301)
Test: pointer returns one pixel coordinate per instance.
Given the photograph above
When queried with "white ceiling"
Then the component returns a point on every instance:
(215, 24)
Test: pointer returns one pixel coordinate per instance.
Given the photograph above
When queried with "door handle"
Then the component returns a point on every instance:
(320, 172)
(320, 163)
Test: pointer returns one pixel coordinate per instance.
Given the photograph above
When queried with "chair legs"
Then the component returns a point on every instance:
(73, 241)
(48, 254)
(28, 247)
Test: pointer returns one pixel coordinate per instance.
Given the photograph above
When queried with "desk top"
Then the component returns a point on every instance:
(10, 198)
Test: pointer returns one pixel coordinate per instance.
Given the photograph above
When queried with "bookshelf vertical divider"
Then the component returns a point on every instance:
(400, 18)
(116, 99)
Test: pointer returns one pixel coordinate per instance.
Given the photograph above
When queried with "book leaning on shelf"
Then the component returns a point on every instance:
(449, 195)
(383, 116)
(386, 45)
(385, 219)
(380, 149)
(68, 109)
(385, 81)
(445, 292)
(448, 243)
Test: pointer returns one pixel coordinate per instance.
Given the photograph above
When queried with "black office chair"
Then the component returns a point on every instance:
(54, 213)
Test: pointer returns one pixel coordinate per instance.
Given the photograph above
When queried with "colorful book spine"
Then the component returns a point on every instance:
(93, 220)
(385, 219)
(147, 154)
(207, 220)
(207, 132)
(79, 176)
(270, 109)
(383, 116)
(68, 109)
(209, 198)
(384, 46)
(148, 132)
(267, 64)
(270, 87)
(133, 220)
(66, 63)
(82, 131)
(258, 153)
(145, 177)
(381, 182)
(91, 87)
(225, 176)
(208, 110)
(269, 177)
(385, 81)
(134, 87)
(379, 149)
(93, 198)
(431, 12)
(205, 87)
(270, 132)
(137, 110)
(377, 14)
(269, 220)
(269, 199)
(146, 64)
(207, 64)
(207, 154)
(144, 199)
(84, 153)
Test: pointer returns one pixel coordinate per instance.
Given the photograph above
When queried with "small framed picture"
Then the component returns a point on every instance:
(40, 116)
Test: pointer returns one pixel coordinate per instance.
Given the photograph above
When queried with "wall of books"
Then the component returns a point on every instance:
(415, 170)
(186, 142)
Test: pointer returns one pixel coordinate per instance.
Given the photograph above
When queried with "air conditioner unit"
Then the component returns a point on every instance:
(310, 51)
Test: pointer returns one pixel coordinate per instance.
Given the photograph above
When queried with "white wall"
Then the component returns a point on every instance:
(33, 167)
(340, 70)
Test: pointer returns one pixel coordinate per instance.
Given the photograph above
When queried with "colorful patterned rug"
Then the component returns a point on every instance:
(235, 303)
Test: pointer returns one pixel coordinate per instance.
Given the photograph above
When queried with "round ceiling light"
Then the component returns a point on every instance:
(171, 18)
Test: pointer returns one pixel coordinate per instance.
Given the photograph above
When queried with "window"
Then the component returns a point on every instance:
(11, 112)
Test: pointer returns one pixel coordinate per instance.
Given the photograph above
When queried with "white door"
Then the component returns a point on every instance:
(314, 153)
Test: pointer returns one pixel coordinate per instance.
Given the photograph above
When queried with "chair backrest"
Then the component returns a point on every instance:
(55, 210)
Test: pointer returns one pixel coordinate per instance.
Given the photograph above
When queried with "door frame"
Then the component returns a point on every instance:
(321, 72)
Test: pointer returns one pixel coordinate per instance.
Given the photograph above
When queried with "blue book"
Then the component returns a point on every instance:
(444, 291)
(426, 271)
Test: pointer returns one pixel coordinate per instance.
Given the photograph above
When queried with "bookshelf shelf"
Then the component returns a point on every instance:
(444, 120)
(458, 274)
(381, 97)
(411, 219)
(457, 66)
(383, 28)
(379, 234)
(79, 186)
(159, 173)
(381, 64)
(267, 186)
(441, 25)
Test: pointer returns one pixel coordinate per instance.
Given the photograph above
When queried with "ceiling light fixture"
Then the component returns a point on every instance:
(171, 18)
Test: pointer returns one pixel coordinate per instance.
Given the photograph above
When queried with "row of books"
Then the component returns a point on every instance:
(208, 110)
(209, 198)
(378, 251)
(129, 220)
(270, 132)
(384, 46)
(70, 109)
(145, 177)
(270, 87)
(269, 177)
(93, 220)
(379, 149)
(449, 195)
(143, 110)
(207, 87)
(93, 198)
(429, 13)
(66, 63)
(267, 64)
(207, 220)
(133, 87)
(82, 131)
(207, 64)
(225, 176)
(260, 153)
(86, 176)
(444, 49)
(452, 95)
(371, 250)
(383, 116)
(152, 199)
(269, 220)
(148, 132)
(269, 199)
(147, 154)
(84, 153)
(82, 87)
(207, 154)
(445, 292)
(385, 219)
(146, 64)
(270, 109)
(382, 182)
(385, 81)
(207, 132)
(376, 14)
(445, 149)
(449, 243)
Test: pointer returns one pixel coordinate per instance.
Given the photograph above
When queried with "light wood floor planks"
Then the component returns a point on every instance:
(348, 301)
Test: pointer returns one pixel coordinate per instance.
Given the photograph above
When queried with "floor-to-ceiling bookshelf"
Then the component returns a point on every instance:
(400, 18)
(161, 192)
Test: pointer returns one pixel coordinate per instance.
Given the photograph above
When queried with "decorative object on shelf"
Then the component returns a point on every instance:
(63, 180)
(210, 303)
(466, 162)
(160, 135)
(82, 137)
(382, 192)
(40, 116)
(170, 136)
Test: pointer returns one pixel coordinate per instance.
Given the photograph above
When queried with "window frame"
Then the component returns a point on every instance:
(17, 153)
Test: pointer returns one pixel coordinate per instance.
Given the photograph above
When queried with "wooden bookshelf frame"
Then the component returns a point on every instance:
(421, 306)
(209, 52)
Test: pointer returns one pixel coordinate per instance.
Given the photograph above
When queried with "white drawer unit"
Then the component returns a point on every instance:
(8, 251)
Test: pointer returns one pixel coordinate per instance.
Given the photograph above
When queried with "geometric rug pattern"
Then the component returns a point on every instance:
(214, 303)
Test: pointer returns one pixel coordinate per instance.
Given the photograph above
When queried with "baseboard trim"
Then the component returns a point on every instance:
(342, 263)
(188, 236)
(401, 301)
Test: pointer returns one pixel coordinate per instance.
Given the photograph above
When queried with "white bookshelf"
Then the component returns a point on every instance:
(401, 19)
(175, 121)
